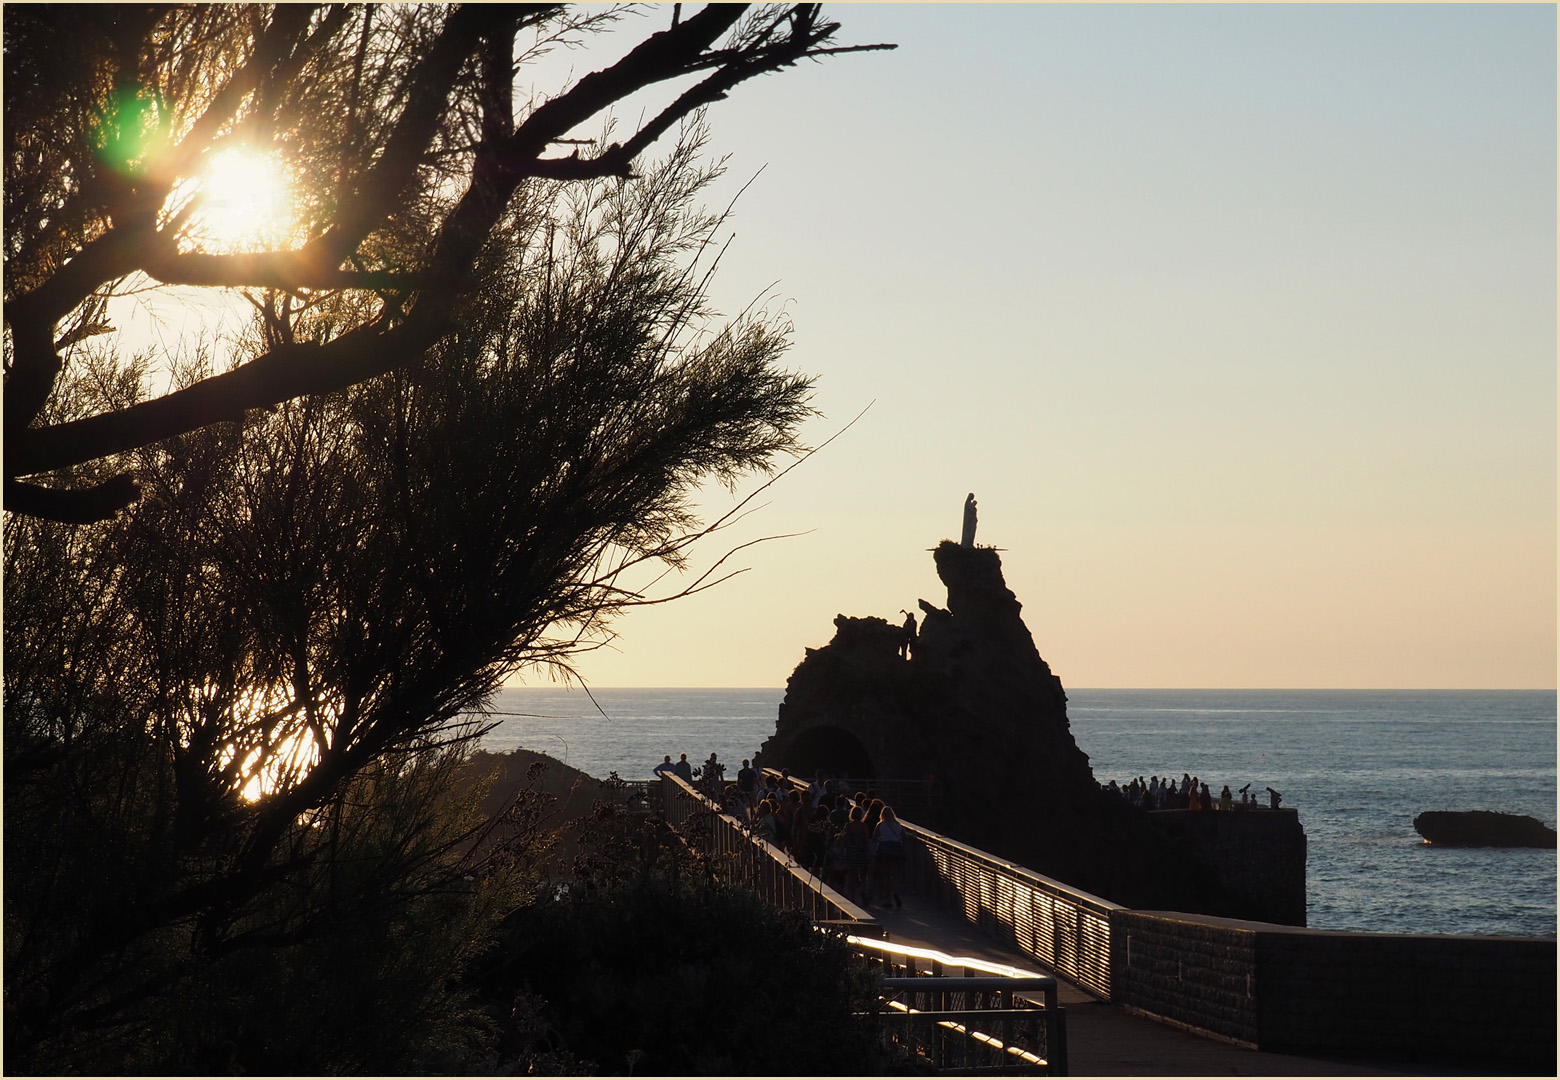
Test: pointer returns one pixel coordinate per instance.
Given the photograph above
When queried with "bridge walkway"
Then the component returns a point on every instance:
(1102, 1039)
(1105, 1039)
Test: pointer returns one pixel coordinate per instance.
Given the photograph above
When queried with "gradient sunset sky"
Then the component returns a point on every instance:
(1240, 322)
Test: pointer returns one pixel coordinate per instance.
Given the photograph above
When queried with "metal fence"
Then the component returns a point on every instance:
(757, 864)
(640, 794)
(989, 1019)
(1066, 929)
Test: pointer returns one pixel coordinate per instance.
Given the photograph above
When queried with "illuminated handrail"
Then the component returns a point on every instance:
(994, 1018)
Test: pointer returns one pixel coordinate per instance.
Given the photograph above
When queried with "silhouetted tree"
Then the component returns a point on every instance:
(478, 395)
(400, 130)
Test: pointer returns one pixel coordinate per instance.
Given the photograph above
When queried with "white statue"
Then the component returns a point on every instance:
(968, 539)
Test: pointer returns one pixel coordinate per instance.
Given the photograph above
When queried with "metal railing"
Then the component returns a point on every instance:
(1065, 929)
(640, 793)
(985, 1021)
(755, 863)
(992, 1019)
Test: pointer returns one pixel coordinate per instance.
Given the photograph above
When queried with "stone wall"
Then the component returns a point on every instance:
(1195, 970)
(1259, 855)
(1425, 996)
(1420, 997)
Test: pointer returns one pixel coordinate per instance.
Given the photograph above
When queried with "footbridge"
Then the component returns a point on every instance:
(989, 966)
(944, 1011)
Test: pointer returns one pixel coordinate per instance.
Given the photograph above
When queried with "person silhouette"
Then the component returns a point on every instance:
(907, 642)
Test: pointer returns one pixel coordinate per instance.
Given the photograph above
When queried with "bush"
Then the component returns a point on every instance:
(668, 974)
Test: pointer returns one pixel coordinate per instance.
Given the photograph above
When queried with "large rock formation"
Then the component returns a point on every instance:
(977, 713)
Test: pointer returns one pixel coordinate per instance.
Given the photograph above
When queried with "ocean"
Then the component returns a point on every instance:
(1357, 765)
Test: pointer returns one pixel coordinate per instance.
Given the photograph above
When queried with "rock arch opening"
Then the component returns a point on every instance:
(831, 749)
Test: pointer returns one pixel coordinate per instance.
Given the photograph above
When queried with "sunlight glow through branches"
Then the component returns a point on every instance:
(247, 202)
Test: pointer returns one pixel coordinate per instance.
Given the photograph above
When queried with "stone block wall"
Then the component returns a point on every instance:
(1259, 856)
(1194, 970)
(1420, 997)
(1425, 997)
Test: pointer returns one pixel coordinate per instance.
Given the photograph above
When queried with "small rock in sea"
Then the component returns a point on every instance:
(1483, 828)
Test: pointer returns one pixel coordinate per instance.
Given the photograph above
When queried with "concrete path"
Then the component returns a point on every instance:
(1107, 1040)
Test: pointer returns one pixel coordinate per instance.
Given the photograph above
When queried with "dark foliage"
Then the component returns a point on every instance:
(308, 601)
(343, 966)
(249, 614)
(670, 973)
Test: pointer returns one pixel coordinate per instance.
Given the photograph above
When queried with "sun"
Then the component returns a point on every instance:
(272, 749)
(246, 201)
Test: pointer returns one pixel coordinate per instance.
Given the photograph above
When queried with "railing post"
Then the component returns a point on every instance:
(943, 1047)
(1005, 1003)
(1056, 1040)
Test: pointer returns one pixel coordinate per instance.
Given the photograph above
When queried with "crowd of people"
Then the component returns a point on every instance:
(851, 840)
(1190, 794)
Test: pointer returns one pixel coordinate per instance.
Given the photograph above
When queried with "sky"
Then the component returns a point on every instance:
(1239, 321)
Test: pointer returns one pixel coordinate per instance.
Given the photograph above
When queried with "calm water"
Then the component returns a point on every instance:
(1358, 765)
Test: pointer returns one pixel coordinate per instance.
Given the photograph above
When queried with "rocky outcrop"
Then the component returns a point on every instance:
(1483, 828)
(977, 714)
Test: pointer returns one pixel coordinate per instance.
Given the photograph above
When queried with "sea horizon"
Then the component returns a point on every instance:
(559, 685)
